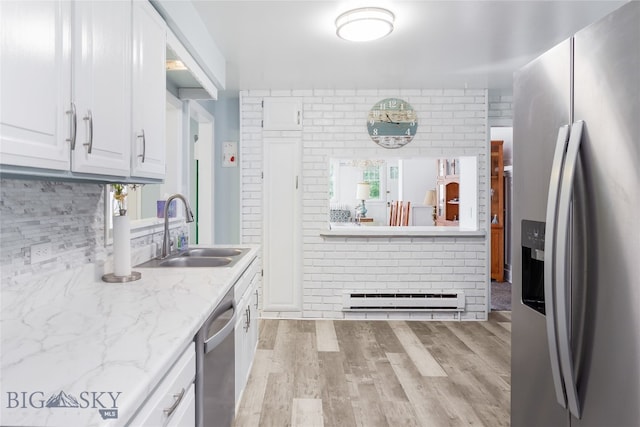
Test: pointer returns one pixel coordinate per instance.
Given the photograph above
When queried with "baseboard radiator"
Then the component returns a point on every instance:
(404, 301)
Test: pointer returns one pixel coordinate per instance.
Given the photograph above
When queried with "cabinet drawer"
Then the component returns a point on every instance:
(247, 277)
(185, 413)
(171, 397)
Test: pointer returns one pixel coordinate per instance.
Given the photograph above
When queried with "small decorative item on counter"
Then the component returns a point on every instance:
(120, 197)
(120, 193)
(183, 242)
(160, 209)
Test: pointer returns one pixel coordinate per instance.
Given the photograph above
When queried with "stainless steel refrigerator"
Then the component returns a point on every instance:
(576, 235)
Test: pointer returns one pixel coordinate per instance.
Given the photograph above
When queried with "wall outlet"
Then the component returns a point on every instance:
(40, 252)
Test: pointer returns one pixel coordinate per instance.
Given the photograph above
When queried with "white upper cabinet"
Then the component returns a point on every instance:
(35, 84)
(101, 55)
(282, 113)
(71, 72)
(149, 92)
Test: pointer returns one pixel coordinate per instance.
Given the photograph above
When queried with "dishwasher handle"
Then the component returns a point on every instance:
(215, 340)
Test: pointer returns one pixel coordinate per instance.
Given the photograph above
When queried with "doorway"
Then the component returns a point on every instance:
(501, 291)
(201, 173)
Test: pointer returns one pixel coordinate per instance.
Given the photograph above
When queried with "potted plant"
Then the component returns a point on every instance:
(120, 196)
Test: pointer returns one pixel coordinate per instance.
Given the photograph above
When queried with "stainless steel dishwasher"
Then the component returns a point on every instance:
(215, 366)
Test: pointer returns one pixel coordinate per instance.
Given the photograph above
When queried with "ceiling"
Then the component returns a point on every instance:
(435, 44)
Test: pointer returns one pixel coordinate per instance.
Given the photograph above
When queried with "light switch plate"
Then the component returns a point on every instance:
(230, 154)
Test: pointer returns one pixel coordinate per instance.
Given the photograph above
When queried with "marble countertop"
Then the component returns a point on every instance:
(71, 334)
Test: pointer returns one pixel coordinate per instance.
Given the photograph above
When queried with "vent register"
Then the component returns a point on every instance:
(404, 301)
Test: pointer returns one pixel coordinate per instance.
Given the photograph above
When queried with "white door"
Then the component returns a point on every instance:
(148, 90)
(282, 214)
(35, 83)
(102, 87)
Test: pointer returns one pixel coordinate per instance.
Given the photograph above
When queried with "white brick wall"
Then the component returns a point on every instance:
(501, 107)
(451, 122)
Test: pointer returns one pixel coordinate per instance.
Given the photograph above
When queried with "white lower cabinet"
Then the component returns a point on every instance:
(185, 413)
(172, 403)
(246, 329)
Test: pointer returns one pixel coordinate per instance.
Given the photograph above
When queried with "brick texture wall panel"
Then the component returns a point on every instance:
(451, 122)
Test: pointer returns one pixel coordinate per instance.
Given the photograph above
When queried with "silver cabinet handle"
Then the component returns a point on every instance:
(299, 116)
(562, 243)
(549, 260)
(257, 296)
(73, 126)
(89, 118)
(178, 398)
(144, 146)
(247, 315)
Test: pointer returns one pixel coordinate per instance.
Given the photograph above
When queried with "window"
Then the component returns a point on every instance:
(332, 181)
(372, 175)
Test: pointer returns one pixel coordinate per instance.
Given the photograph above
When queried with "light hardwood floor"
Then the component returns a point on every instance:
(379, 373)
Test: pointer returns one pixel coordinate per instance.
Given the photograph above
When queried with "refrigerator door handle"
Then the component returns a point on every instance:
(549, 261)
(562, 244)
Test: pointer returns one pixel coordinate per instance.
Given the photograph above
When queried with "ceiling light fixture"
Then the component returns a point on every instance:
(364, 24)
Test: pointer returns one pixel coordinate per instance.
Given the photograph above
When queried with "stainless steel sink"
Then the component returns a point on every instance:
(195, 262)
(210, 252)
(199, 257)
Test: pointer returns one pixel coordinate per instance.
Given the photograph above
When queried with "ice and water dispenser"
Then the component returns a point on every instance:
(533, 264)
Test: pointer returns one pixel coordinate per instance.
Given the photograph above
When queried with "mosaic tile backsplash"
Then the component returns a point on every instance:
(69, 215)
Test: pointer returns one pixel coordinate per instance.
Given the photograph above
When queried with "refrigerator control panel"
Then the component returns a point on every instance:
(533, 234)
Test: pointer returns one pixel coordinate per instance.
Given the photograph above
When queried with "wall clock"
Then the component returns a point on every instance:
(392, 123)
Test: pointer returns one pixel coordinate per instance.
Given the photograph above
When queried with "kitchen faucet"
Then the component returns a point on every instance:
(166, 248)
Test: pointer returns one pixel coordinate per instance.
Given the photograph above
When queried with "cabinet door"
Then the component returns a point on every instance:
(149, 89)
(101, 87)
(253, 326)
(282, 114)
(282, 228)
(35, 82)
(241, 349)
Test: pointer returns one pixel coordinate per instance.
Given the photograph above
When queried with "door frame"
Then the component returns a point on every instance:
(203, 156)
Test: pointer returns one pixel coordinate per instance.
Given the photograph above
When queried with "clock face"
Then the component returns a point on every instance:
(392, 123)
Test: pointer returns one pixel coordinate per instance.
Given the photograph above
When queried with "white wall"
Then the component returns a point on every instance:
(417, 176)
(451, 123)
(467, 213)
